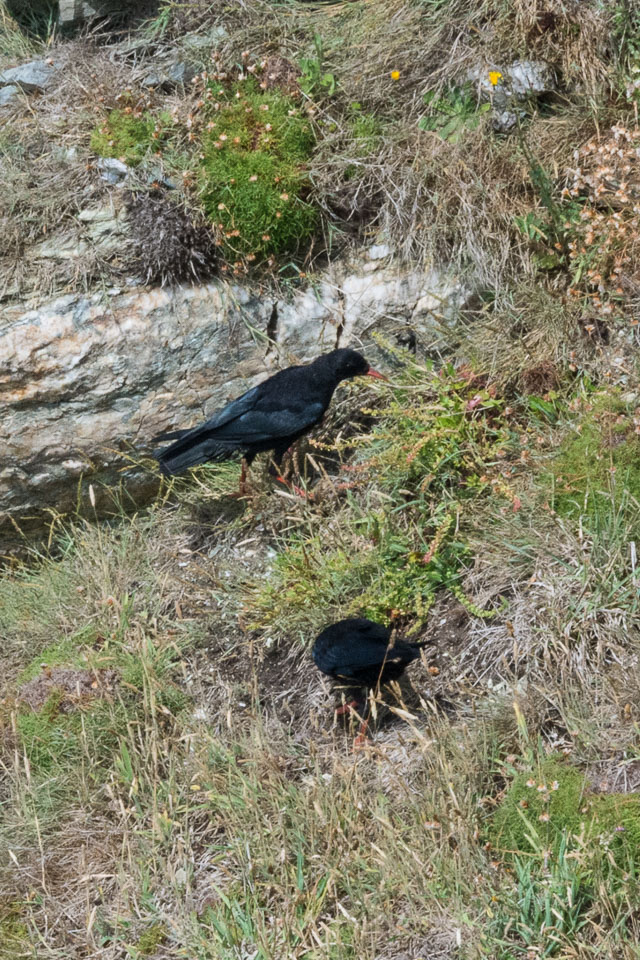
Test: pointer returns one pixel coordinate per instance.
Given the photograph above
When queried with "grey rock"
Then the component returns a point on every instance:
(379, 251)
(155, 78)
(505, 120)
(174, 75)
(113, 171)
(36, 75)
(75, 11)
(180, 73)
(100, 229)
(519, 81)
(87, 381)
(199, 42)
(8, 95)
(530, 77)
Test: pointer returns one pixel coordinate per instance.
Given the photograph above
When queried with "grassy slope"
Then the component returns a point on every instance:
(184, 793)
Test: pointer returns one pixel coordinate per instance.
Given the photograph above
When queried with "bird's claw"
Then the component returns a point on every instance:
(346, 708)
(299, 492)
(361, 741)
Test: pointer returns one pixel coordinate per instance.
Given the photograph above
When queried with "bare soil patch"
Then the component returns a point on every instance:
(74, 687)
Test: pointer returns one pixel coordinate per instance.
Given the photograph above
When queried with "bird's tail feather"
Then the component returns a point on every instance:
(170, 435)
(190, 450)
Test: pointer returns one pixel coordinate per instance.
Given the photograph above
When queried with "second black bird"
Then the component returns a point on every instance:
(357, 652)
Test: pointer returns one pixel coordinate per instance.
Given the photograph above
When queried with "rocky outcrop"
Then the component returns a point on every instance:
(86, 381)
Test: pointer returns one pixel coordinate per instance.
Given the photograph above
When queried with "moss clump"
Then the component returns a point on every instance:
(252, 177)
(600, 461)
(151, 939)
(14, 935)
(127, 136)
(553, 801)
(516, 824)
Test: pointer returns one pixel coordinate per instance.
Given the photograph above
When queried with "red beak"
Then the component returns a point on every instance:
(374, 373)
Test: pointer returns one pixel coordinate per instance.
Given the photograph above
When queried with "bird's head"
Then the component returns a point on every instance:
(347, 363)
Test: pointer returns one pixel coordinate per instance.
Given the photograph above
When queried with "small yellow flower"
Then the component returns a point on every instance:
(495, 77)
(395, 74)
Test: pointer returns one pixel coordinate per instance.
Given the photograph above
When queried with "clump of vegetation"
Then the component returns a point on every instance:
(540, 807)
(453, 113)
(76, 701)
(252, 172)
(564, 841)
(550, 801)
(591, 227)
(243, 149)
(600, 457)
(127, 133)
(151, 939)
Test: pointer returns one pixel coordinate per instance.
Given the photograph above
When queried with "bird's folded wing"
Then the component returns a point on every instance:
(252, 424)
(335, 661)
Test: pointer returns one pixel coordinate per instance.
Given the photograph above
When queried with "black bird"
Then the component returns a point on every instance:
(271, 416)
(357, 652)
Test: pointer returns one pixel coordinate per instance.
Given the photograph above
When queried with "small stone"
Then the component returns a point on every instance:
(8, 95)
(379, 251)
(180, 73)
(504, 121)
(174, 75)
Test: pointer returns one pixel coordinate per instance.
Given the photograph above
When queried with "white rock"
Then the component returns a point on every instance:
(379, 251)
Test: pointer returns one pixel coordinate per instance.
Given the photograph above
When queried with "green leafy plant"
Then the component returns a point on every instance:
(315, 80)
(452, 114)
(548, 906)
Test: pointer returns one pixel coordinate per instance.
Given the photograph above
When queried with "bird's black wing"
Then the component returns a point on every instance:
(258, 419)
(254, 418)
(272, 419)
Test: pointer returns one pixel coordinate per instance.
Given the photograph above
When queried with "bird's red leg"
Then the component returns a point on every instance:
(242, 484)
(361, 739)
(295, 489)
